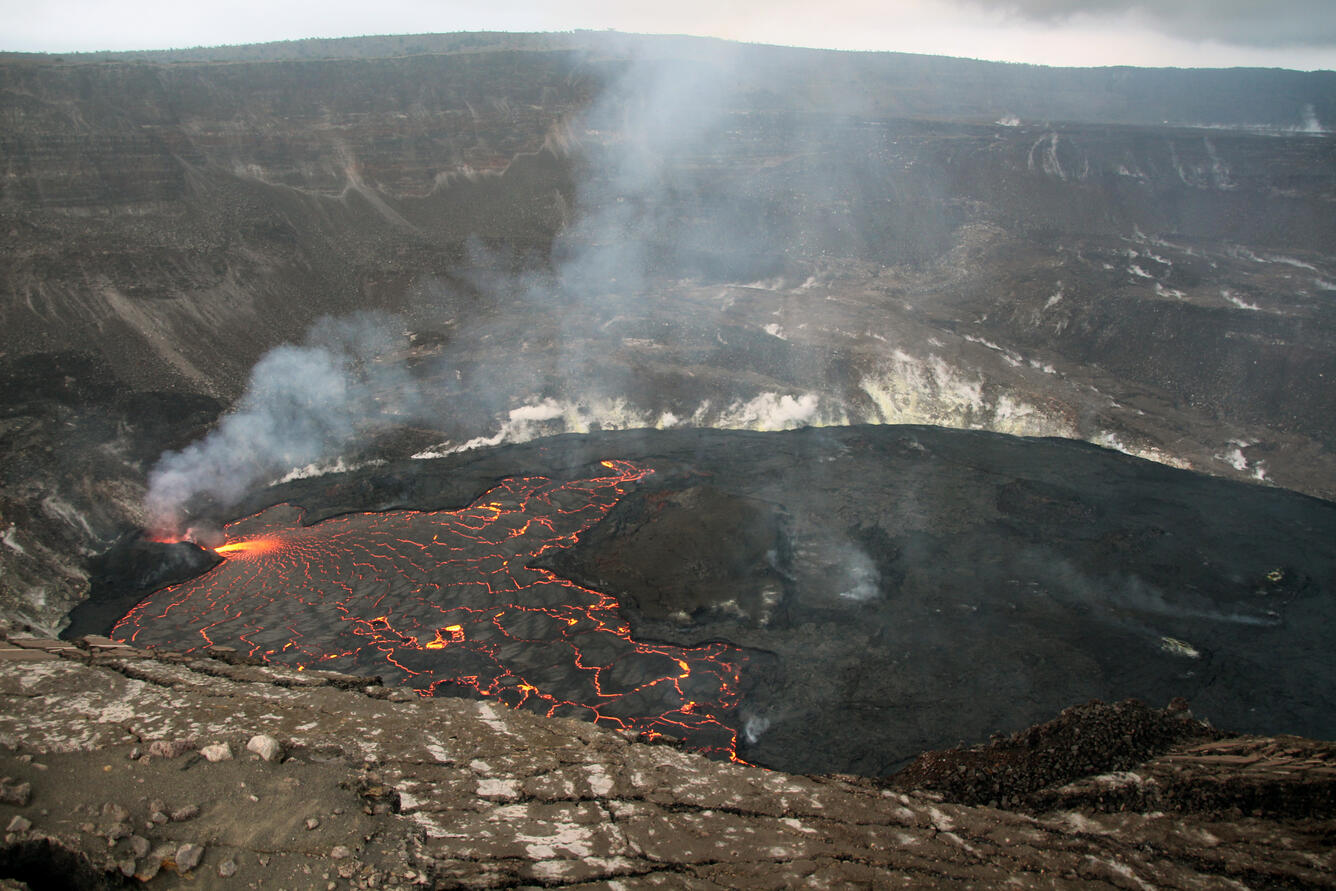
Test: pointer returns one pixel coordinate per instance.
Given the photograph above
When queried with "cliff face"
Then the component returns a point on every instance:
(597, 230)
(181, 220)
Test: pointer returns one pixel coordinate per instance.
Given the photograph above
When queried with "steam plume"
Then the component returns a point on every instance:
(646, 210)
(302, 403)
(632, 214)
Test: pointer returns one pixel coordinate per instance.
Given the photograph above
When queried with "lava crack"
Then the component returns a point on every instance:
(448, 602)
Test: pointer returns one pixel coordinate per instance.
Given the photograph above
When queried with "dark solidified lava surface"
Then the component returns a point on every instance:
(840, 599)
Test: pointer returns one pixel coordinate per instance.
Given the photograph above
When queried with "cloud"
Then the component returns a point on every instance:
(1239, 22)
(1214, 33)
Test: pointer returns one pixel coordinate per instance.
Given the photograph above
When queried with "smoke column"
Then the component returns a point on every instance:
(302, 403)
(630, 208)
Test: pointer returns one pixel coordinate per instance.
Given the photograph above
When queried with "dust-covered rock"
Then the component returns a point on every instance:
(217, 752)
(12, 792)
(266, 747)
(188, 857)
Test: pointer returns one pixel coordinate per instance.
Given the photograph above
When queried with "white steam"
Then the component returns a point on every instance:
(657, 113)
(861, 575)
(302, 404)
(548, 417)
(771, 411)
(753, 727)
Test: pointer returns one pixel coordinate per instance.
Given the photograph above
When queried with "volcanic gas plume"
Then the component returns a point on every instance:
(446, 601)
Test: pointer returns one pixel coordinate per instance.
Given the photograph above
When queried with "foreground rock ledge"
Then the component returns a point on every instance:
(106, 781)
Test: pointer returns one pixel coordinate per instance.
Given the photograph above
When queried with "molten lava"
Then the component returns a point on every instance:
(250, 547)
(448, 601)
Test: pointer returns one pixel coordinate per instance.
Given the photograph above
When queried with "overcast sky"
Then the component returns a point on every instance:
(1185, 33)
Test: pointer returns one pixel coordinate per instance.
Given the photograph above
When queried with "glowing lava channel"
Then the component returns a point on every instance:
(445, 601)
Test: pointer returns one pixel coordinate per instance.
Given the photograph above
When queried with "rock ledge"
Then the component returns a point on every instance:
(105, 779)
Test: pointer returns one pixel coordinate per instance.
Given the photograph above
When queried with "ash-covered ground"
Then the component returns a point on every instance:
(891, 589)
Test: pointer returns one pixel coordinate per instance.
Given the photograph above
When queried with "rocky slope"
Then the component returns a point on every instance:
(121, 767)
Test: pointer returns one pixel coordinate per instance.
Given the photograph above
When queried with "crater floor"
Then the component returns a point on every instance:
(836, 600)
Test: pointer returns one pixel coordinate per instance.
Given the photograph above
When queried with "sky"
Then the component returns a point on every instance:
(1182, 33)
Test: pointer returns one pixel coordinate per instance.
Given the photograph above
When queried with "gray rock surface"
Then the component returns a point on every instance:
(451, 793)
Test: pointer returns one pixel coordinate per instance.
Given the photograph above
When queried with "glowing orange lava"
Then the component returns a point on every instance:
(248, 546)
(449, 601)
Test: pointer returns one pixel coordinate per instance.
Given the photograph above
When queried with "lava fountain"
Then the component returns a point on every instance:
(448, 602)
